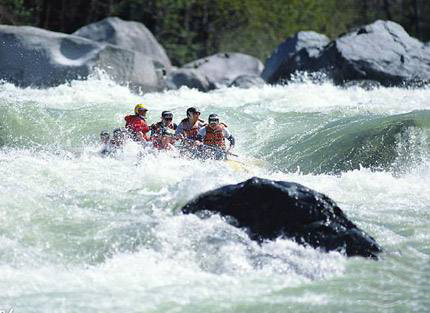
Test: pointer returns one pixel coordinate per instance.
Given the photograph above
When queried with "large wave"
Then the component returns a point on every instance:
(79, 232)
(304, 126)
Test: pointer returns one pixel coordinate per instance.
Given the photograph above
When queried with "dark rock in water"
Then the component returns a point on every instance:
(190, 78)
(382, 51)
(126, 35)
(32, 56)
(269, 209)
(247, 81)
(223, 68)
(298, 53)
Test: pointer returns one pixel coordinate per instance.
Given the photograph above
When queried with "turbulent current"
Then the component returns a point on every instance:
(83, 233)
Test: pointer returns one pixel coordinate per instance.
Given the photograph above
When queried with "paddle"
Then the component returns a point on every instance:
(219, 150)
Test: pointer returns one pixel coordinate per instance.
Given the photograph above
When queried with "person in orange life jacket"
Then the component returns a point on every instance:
(214, 135)
(162, 132)
(136, 124)
(189, 127)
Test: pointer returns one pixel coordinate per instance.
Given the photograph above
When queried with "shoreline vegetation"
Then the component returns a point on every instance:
(193, 29)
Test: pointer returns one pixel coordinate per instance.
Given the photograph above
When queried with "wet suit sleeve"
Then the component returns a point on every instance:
(229, 136)
(179, 129)
(201, 134)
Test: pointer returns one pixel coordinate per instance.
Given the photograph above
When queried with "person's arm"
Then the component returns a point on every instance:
(232, 141)
(179, 129)
(229, 137)
(144, 132)
(180, 132)
(201, 135)
(140, 136)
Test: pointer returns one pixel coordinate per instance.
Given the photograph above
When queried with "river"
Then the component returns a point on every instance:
(83, 233)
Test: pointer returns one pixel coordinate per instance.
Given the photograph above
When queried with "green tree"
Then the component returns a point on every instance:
(191, 29)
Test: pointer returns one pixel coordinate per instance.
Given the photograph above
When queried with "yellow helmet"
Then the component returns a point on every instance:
(138, 107)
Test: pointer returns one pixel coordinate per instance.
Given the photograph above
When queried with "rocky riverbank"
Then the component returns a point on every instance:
(381, 53)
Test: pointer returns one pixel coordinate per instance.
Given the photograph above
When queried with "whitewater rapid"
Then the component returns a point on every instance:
(82, 233)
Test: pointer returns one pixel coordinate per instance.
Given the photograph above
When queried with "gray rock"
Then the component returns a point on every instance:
(223, 68)
(191, 78)
(247, 81)
(127, 35)
(382, 51)
(297, 53)
(31, 56)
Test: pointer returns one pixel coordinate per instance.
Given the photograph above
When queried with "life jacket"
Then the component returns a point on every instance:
(215, 136)
(157, 127)
(135, 124)
(191, 132)
(157, 135)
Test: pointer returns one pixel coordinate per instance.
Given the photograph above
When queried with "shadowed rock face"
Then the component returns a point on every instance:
(269, 209)
(31, 56)
(297, 53)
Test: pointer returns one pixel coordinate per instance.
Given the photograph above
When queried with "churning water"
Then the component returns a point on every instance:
(82, 233)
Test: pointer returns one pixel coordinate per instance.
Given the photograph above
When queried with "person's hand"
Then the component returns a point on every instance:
(140, 136)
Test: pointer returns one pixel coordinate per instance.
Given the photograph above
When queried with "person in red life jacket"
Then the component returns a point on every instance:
(189, 127)
(162, 133)
(213, 137)
(136, 124)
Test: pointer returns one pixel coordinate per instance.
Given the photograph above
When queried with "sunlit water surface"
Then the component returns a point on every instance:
(83, 233)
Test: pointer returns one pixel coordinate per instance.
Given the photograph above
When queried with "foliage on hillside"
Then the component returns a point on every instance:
(190, 29)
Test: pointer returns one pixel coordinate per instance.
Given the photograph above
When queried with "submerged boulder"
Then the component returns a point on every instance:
(269, 209)
(222, 69)
(382, 51)
(31, 56)
(297, 53)
(126, 35)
